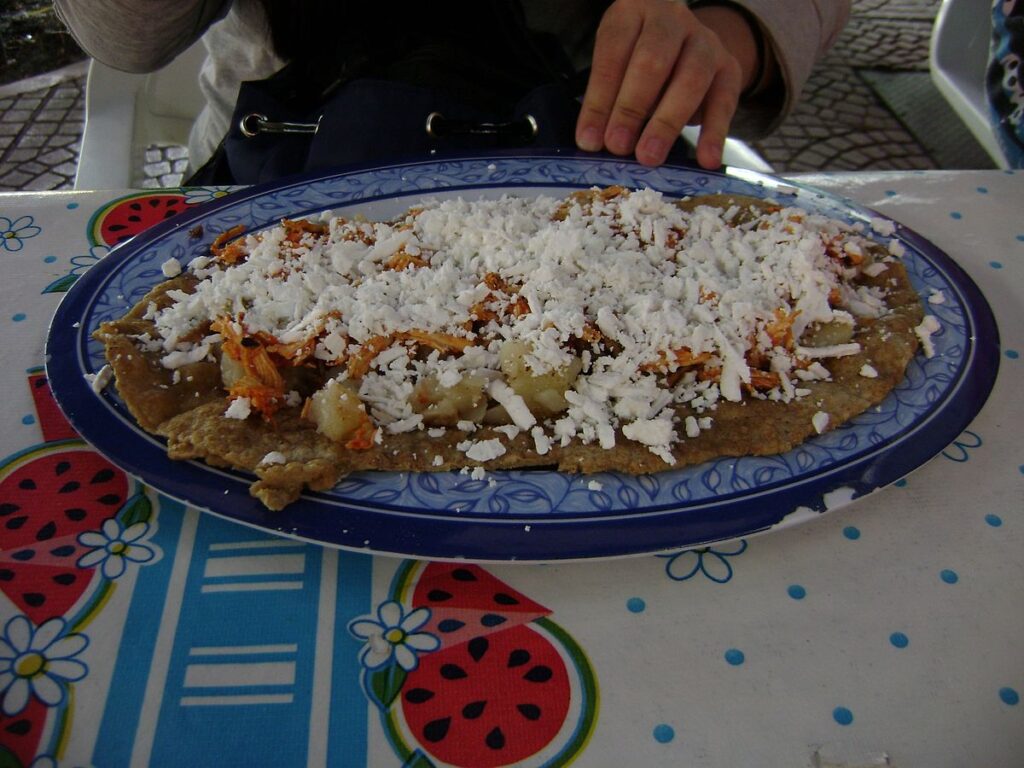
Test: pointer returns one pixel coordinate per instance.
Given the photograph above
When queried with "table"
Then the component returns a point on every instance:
(885, 633)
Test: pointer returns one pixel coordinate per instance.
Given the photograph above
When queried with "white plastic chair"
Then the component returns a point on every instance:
(735, 153)
(958, 59)
(125, 114)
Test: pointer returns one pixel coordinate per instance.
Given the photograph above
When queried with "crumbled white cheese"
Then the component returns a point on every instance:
(594, 485)
(274, 457)
(541, 442)
(834, 350)
(508, 430)
(484, 450)
(240, 409)
(99, 380)
(171, 267)
(820, 421)
(868, 371)
(438, 460)
(929, 325)
(884, 227)
(514, 404)
(936, 297)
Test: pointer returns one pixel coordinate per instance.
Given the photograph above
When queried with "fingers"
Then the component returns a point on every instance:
(694, 74)
(650, 68)
(655, 68)
(718, 109)
(613, 47)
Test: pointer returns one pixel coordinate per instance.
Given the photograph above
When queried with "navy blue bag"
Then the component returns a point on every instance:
(437, 85)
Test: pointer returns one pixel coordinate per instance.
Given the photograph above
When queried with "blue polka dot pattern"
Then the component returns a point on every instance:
(735, 657)
(983, 190)
(996, 264)
(1009, 696)
(956, 215)
(949, 576)
(1020, 238)
(842, 715)
(636, 605)
(18, 317)
(1013, 354)
(899, 640)
(72, 206)
(901, 483)
(49, 259)
(663, 733)
(796, 591)
(994, 520)
(851, 532)
(27, 420)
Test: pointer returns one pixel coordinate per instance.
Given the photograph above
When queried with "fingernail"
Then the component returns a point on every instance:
(590, 139)
(712, 156)
(620, 140)
(652, 150)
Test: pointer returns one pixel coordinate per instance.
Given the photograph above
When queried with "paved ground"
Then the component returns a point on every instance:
(841, 123)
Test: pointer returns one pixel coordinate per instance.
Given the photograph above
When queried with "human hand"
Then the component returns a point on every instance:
(658, 66)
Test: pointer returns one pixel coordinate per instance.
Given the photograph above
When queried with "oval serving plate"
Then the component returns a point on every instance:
(534, 515)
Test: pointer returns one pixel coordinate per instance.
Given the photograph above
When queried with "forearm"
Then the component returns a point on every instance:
(137, 35)
(796, 35)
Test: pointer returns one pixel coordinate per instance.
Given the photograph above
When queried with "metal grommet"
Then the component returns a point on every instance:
(250, 124)
(429, 125)
(534, 127)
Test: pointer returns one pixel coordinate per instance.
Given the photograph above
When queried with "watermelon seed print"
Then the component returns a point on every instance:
(38, 661)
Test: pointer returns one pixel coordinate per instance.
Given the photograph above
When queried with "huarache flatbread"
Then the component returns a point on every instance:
(611, 330)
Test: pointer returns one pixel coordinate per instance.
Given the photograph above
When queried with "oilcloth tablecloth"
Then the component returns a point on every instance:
(137, 631)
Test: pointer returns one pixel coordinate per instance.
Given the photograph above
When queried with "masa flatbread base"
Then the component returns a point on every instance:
(188, 410)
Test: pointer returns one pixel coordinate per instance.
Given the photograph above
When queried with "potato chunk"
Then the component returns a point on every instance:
(446, 406)
(336, 410)
(827, 334)
(544, 395)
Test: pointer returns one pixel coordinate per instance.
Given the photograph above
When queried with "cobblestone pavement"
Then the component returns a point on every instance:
(840, 123)
(40, 131)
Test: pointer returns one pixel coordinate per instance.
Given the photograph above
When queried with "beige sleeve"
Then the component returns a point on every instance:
(138, 35)
(799, 33)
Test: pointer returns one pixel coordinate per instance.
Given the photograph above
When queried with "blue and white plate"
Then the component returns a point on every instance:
(533, 515)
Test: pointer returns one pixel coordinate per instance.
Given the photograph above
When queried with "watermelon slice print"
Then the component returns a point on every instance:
(507, 686)
(49, 494)
(495, 700)
(47, 497)
(21, 734)
(466, 602)
(123, 218)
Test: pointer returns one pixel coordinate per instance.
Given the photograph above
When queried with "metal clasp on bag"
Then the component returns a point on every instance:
(254, 124)
(438, 127)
